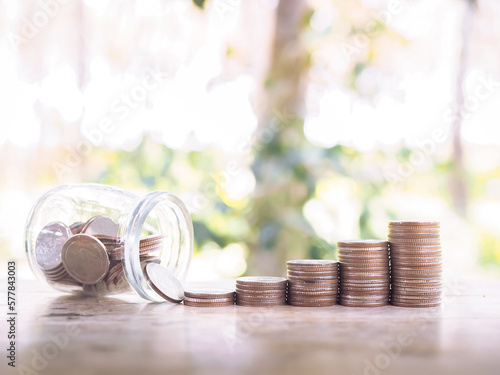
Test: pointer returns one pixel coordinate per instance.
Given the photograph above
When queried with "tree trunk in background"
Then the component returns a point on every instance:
(282, 184)
(458, 185)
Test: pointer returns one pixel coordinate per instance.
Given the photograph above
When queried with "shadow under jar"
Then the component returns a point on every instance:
(101, 239)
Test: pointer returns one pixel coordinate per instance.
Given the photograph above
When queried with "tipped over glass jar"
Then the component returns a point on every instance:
(100, 240)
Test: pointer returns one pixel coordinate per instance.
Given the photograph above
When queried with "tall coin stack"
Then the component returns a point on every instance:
(260, 291)
(416, 263)
(312, 282)
(364, 273)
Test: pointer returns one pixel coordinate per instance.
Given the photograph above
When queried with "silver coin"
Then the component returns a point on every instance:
(163, 282)
(49, 244)
(101, 225)
(312, 262)
(85, 258)
(209, 293)
(76, 227)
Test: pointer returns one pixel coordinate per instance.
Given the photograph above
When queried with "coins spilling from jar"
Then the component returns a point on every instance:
(89, 254)
(209, 297)
(261, 291)
(364, 273)
(416, 263)
(312, 282)
(163, 282)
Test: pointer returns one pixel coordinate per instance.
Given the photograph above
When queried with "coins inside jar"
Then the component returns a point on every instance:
(89, 254)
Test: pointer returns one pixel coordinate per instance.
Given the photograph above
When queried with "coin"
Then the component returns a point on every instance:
(400, 223)
(312, 293)
(312, 288)
(114, 272)
(312, 263)
(360, 304)
(85, 258)
(163, 282)
(309, 278)
(313, 303)
(256, 299)
(261, 281)
(364, 254)
(354, 290)
(364, 267)
(332, 273)
(410, 230)
(260, 304)
(208, 301)
(209, 293)
(207, 304)
(259, 290)
(405, 304)
(362, 243)
(49, 244)
(100, 225)
(76, 227)
(414, 251)
(320, 283)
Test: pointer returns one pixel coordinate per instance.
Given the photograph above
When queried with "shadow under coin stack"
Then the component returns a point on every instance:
(364, 273)
(208, 297)
(260, 291)
(312, 282)
(416, 263)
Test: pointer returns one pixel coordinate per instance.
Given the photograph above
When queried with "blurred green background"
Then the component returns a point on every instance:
(285, 126)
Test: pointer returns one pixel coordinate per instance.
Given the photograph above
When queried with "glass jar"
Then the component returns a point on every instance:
(101, 239)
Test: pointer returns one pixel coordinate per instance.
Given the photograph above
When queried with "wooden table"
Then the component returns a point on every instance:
(125, 335)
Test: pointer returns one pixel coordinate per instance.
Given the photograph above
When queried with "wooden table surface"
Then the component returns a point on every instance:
(68, 335)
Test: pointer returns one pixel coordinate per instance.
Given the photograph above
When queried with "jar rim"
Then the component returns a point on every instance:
(184, 240)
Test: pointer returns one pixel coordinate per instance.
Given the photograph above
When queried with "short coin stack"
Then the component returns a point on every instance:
(260, 291)
(416, 263)
(312, 282)
(207, 297)
(364, 273)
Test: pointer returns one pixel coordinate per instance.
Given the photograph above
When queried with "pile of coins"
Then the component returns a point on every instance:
(364, 273)
(207, 297)
(312, 282)
(416, 263)
(407, 270)
(260, 291)
(89, 255)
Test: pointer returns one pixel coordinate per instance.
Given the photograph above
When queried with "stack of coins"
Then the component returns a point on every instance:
(207, 297)
(260, 291)
(364, 273)
(416, 263)
(48, 249)
(312, 282)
